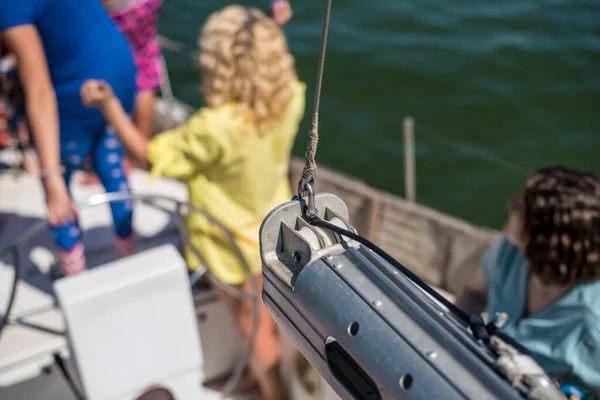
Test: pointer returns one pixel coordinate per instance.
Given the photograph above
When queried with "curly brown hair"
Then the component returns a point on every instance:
(244, 59)
(562, 225)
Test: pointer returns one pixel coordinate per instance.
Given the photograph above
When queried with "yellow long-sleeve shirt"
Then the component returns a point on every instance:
(234, 173)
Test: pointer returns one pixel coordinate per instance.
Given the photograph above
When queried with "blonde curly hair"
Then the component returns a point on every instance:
(244, 59)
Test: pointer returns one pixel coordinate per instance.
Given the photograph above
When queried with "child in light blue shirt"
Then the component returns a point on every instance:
(544, 274)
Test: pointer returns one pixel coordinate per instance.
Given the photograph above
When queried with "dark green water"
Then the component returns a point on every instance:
(518, 79)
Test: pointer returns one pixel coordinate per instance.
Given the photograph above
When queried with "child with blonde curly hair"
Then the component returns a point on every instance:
(233, 154)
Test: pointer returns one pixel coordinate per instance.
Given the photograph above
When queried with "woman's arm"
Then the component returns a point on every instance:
(42, 112)
(40, 97)
(99, 94)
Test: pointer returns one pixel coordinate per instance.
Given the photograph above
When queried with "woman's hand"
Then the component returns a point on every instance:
(96, 94)
(60, 206)
(281, 12)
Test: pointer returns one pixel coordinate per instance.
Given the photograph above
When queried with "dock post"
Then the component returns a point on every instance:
(408, 130)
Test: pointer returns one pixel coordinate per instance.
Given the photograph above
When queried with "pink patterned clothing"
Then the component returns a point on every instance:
(138, 20)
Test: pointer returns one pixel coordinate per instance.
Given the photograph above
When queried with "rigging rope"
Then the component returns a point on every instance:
(310, 166)
(475, 151)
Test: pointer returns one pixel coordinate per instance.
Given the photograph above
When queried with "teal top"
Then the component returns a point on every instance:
(563, 337)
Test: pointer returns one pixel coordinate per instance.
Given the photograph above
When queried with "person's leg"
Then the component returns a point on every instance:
(266, 354)
(70, 250)
(143, 114)
(107, 159)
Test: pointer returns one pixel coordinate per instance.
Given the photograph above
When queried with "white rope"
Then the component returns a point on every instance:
(310, 166)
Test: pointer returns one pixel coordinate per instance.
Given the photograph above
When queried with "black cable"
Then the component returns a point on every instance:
(13, 292)
(407, 272)
(65, 373)
(480, 330)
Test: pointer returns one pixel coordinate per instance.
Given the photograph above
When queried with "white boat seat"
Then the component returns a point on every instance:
(132, 325)
(25, 351)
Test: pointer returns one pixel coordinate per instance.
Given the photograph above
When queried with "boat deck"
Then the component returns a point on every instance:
(26, 350)
(27, 369)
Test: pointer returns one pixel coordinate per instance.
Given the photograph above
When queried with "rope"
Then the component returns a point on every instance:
(310, 166)
(478, 152)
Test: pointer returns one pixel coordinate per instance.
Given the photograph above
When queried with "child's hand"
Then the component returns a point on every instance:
(97, 94)
(281, 12)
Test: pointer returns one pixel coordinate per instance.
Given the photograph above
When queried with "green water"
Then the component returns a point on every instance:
(518, 79)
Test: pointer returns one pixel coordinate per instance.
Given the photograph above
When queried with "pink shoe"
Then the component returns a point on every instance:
(124, 247)
(72, 262)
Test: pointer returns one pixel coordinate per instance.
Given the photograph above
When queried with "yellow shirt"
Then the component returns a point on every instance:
(234, 173)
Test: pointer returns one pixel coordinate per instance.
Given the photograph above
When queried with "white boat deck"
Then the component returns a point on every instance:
(27, 348)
